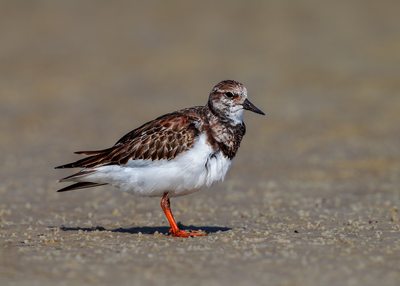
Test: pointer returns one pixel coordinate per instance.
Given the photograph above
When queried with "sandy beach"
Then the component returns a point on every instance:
(313, 196)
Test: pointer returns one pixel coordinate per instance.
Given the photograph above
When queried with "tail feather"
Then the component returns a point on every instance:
(91, 153)
(77, 175)
(82, 163)
(81, 185)
(95, 158)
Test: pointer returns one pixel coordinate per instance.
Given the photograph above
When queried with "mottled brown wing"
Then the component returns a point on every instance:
(161, 139)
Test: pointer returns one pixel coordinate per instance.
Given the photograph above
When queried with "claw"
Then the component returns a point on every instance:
(192, 233)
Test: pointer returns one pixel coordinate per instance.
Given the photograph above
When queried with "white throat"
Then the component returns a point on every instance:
(236, 114)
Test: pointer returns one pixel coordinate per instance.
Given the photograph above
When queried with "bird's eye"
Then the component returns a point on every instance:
(229, 94)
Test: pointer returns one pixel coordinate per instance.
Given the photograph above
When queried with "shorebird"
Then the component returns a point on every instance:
(176, 154)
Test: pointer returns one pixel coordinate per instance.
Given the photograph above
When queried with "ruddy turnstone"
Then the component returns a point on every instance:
(175, 154)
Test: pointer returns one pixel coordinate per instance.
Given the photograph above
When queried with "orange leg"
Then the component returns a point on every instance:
(175, 231)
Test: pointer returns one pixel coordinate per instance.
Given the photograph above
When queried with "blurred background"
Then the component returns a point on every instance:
(78, 75)
(82, 74)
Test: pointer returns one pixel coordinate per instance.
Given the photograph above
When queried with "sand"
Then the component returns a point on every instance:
(313, 196)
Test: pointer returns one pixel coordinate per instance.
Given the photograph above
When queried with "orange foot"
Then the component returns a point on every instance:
(175, 231)
(183, 233)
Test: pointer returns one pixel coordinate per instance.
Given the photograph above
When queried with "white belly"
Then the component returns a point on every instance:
(194, 170)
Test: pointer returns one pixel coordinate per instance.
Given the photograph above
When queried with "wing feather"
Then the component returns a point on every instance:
(164, 138)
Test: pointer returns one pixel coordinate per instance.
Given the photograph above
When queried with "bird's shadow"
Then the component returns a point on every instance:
(145, 229)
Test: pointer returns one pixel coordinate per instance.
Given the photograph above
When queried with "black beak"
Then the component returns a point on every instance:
(250, 106)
